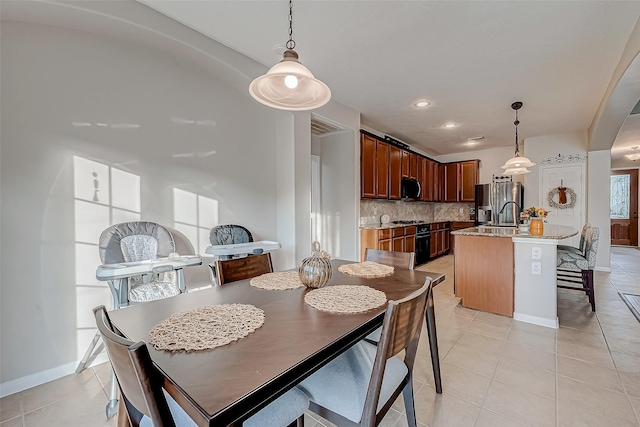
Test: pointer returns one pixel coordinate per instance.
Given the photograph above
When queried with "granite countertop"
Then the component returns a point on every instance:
(551, 231)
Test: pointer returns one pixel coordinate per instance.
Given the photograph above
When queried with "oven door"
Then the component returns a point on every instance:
(422, 248)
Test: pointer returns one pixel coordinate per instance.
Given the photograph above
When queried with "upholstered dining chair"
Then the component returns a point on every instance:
(581, 245)
(359, 386)
(574, 267)
(234, 269)
(148, 405)
(395, 259)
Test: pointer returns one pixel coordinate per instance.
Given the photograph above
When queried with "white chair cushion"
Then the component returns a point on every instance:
(341, 385)
(279, 413)
(153, 291)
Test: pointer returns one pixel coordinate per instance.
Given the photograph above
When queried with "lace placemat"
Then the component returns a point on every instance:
(280, 280)
(367, 269)
(206, 327)
(345, 299)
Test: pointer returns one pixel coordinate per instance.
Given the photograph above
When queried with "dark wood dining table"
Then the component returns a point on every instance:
(228, 384)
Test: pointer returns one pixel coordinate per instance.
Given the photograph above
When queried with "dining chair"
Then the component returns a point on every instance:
(360, 386)
(148, 405)
(574, 267)
(395, 259)
(234, 269)
(581, 245)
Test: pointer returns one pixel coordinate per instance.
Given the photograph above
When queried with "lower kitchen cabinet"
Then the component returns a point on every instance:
(439, 243)
(399, 239)
(457, 225)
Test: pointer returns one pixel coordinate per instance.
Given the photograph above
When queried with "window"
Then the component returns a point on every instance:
(620, 195)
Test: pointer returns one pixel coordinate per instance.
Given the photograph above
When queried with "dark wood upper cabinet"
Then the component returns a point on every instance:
(405, 164)
(395, 172)
(368, 167)
(467, 180)
(422, 178)
(450, 192)
(413, 166)
(382, 153)
(459, 180)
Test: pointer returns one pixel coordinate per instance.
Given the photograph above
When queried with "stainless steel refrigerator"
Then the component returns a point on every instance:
(499, 203)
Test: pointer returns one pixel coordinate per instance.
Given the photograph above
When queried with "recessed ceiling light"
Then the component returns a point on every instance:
(450, 125)
(421, 104)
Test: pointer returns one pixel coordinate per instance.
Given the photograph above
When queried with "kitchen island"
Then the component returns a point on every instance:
(505, 271)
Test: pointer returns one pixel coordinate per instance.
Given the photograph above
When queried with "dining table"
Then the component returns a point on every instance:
(228, 384)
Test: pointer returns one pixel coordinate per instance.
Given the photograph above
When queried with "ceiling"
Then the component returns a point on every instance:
(470, 59)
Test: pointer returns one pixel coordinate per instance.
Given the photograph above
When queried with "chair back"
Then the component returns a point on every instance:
(583, 239)
(135, 241)
(229, 234)
(404, 260)
(140, 384)
(591, 246)
(400, 331)
(232, 270)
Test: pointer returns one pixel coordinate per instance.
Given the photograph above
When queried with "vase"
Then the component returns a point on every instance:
(536, 227)
(315, 271)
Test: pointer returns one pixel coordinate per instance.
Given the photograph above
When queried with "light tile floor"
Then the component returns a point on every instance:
(496, 371)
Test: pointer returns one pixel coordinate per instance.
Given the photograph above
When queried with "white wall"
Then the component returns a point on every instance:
(490, 161)
(598, 202)
(53, 77)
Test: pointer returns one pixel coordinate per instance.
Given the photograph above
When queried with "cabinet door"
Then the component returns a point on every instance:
(384, 245)
(433, 244)
(467, 180)
(432, 181)
(446, 240)
(395, 172)
(398, 244)
(382, 154)
(422, 178)
(410, 243)
(368, 167)
(405, 164)
(413, 166)
(451, 182)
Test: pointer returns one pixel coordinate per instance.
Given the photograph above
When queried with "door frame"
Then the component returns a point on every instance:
(633, 206)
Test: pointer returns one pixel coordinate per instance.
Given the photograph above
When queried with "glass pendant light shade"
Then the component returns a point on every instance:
(516, 171)
(634, 155)
(518, 162)
(289, 85)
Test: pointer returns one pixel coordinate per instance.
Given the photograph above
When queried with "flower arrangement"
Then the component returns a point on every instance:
(536, 212)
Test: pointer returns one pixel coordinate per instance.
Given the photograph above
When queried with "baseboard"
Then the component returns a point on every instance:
(605, 269)
(536, 320)
(33, 380)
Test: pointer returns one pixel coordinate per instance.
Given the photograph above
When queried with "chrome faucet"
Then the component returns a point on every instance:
(516, 219)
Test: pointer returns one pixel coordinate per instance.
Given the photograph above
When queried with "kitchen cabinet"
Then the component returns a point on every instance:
(395, 173)
(457, 225)
(439, 243)
(459, 180)
(413, 166)
(483, 273)
(400, 239)
(405, 164)
(374, 168)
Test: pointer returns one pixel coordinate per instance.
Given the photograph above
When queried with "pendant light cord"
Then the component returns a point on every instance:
(517, 122)
(290, 43)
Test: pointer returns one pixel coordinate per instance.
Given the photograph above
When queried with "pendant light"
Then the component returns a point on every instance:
(517, 165)
(289, 85)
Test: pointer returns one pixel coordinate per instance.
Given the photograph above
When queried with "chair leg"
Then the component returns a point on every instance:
(409, 406)
(433, 347)
(587, 282)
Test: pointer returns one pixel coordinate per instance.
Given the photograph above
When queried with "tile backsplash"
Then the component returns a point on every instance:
(372, 210)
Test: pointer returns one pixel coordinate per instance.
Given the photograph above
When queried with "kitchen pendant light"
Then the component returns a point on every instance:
(289, 85)
(517, 165)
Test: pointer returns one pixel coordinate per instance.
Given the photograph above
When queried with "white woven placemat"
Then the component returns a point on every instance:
(206, 327)
(345, 298)
(280, 280)
(367, 269)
